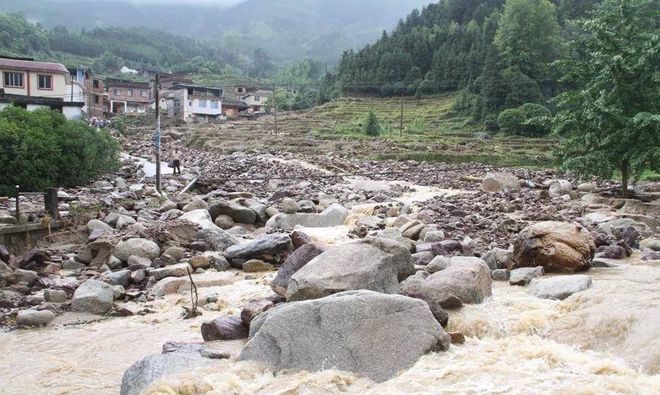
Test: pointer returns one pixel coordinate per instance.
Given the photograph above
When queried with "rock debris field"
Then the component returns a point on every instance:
(337, 265)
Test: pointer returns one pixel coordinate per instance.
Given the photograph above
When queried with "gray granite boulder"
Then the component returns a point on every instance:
(369, 333)
(375, 264)
(560, 287)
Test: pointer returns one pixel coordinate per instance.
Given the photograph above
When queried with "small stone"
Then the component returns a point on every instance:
(255, 308)
(200, 261)
(175, 252)
(437, 264)
(34, 317)
(500, 275)
(289, 206)
(224, 328)
(457, 337)
(224, 222)
(256, 265)
(524, 275)
(55, 296)
(178, 270)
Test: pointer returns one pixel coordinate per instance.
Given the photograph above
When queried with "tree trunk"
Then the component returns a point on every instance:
(624, 178)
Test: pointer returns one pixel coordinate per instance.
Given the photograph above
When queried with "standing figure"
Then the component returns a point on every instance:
(176, 161)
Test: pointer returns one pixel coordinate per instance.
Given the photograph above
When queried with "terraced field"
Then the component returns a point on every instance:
(432, 131)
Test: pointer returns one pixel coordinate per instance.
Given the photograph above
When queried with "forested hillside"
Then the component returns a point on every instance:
(288, 30)
(107, 50)
(499, 52)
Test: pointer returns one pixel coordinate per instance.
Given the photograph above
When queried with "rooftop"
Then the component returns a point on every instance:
(18, 64)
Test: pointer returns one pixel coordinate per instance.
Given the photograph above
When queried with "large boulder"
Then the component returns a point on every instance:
(331, 216)
(557, 246)
(293, 263)
(93, 296)
(149, 369)
(560, 287)
(34, 317)
(466, 280)
(369, 333)
(138, 247)
(240, 214)
(216, 239)
(200, 217)
(497, 182)
(560, 188)
(267, 245)
(375, 264)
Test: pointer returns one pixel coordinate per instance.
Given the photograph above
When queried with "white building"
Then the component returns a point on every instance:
(195, 103)
(256, 101)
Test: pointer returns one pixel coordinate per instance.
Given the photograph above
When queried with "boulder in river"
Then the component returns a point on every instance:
(293, 263)
(34, 317)
(331, 216)
(138, 247)
(557, 246)
(216, 239)
(151, 368)
(266, 245)
(524, 275)
(224, 328)
(369, 333)
(464, 281)
(240, 214)
(375, 264)
(93, 296)
(560, 287)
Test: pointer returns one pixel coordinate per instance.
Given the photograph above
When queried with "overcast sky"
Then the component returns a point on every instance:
(183, 2)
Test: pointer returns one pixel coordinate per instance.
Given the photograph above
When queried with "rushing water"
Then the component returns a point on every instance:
(603, 340)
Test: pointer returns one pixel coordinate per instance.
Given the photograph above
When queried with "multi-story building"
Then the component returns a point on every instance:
(33, 85)
(128, 97)
(194, 103)
(257, 100)
(97, 97)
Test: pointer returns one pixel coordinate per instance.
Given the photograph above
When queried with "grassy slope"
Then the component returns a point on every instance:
(431, 132)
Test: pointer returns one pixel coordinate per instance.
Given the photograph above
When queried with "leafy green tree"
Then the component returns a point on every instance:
(372, 126)
(42, 149)
(262, 66)
(528, 36)
(609, 119)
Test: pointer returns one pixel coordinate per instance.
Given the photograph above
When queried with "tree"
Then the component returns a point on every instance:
(372, 127)
(609, 118)
(528, 36)
(262, 66)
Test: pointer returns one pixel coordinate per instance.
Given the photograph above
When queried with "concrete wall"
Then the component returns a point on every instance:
(72, 112)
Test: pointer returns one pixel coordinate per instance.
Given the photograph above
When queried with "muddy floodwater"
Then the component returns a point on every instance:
(599, 341)
(603, 340)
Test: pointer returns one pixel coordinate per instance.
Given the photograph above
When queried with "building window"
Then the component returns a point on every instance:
(190, 91)
(13, 80)
(96, 84)
(257, 98)
(96, 99)
(117, 92)
(44, 81)
(130, 92)
(190, 103)
(241, 90)
(202, 104)
(143, 93)
(214, 104)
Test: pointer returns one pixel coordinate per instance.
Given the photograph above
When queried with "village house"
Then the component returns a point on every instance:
(231, 108)
(194, 103)
(257, 100)
(128, 97)
(32, 85)
(97, 97)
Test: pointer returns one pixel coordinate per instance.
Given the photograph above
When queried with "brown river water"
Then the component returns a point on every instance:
(600, 341)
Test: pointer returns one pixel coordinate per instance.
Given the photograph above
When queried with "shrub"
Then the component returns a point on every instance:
(529, 120)
(41, 149)
(371, 126)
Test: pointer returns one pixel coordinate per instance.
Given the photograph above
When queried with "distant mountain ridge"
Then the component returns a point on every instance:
(286, 29)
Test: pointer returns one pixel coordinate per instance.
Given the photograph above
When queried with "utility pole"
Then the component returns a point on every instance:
(157, 132)
(401, 120)
(275, 105)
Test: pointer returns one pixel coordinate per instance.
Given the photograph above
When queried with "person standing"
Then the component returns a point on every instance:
(176, 161)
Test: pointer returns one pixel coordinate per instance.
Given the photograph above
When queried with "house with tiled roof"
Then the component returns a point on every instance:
(31, 84)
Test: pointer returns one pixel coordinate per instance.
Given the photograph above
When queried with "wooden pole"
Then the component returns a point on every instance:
(157, 133)
(401, 119)
(18, 193)
(275, 104)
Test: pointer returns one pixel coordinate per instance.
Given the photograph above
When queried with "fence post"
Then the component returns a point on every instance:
(18, 210)
(50, 201)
